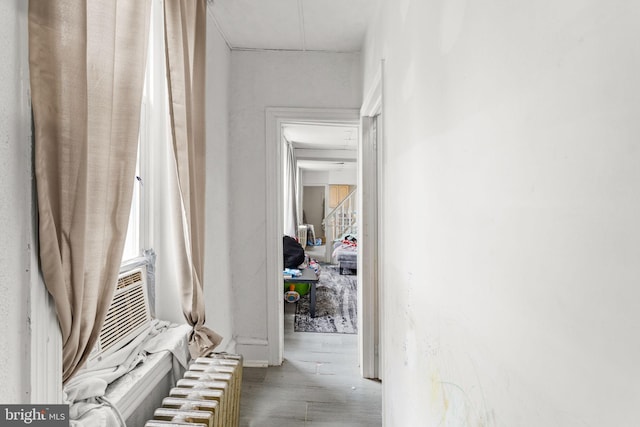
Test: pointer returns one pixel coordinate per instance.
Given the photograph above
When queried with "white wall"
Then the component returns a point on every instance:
(217, 274)
(344, 176)
(512, 271)
(216, 281)
(260, 80)
(15, 208)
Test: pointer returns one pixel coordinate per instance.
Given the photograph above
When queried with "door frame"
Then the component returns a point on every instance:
(275, 118)
(370, 167)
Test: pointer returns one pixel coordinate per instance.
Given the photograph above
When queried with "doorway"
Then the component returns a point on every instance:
(313, 209)
(276, 120)
(371, 184)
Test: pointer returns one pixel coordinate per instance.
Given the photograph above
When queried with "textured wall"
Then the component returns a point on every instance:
(217, 275)
(511, 270)
(260, 80)
(15, 205)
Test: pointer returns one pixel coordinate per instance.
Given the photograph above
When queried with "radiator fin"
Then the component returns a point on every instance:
(208, 394)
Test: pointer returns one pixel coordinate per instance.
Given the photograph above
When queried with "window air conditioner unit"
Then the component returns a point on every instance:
(127, 317)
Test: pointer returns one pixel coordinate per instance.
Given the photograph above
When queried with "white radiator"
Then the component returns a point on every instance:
(208, 394)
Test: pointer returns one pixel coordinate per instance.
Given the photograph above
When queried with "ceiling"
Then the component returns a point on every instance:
(323, 146)
(316, 25)
(302, 25)
(321, 165)
(318, 136)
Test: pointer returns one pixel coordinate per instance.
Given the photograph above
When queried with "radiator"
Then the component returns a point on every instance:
(208, 395)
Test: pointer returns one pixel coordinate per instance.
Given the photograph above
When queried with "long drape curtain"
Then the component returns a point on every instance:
(185, 35)
(290, 192)
(87, 61)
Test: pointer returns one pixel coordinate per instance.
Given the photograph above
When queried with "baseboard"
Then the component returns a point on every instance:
(256, 363)
(254, 350)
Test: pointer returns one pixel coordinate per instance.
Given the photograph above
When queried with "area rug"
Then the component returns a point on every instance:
(336, 304)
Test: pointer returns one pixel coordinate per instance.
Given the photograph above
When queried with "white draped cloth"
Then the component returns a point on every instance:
(87, 391)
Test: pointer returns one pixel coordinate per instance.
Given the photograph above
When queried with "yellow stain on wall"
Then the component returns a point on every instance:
(438, 394)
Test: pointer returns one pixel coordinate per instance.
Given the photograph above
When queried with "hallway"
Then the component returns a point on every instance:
(317, 385)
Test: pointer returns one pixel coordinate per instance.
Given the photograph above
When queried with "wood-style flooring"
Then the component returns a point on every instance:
(318, 385)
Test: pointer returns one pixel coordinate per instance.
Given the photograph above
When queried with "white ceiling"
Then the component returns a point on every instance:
(320, 165)
(319, 25)
(317, 136)
(322, 146)
(302, 25)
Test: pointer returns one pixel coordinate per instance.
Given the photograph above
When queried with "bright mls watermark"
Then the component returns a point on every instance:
(34, 415)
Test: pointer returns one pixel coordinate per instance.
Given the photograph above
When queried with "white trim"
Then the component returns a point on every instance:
(275, 118)
(45, 339)
(153, 130)
(369, 267)
(381, 235)
(256, 363)
(251, 341)
(367, 250)
(382, 138)
(372, 103)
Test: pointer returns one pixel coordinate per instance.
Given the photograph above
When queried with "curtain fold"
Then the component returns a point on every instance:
(185, 35)
(87, 61)
(290, 192)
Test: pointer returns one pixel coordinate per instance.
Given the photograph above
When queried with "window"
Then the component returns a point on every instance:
(132, 244)
(140, 225)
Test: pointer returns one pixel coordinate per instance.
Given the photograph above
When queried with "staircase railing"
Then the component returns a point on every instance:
(341, 220)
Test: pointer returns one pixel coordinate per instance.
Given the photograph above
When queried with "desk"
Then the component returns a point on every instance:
(308, 276)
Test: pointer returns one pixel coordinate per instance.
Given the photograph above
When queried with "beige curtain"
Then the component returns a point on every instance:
(87, 60)
(185, 35)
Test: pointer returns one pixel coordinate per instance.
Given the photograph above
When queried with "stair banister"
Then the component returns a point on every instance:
(339, 221)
